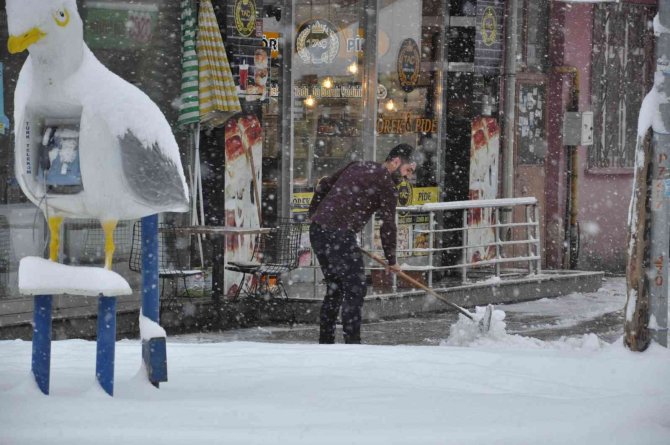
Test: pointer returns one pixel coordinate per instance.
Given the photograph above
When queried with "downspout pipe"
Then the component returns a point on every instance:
(571, 231)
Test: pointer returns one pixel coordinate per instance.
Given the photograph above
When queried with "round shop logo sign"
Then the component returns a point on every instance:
(404, 196)
(245, 17)
(489, 28)
(409, 63)
(317, 42)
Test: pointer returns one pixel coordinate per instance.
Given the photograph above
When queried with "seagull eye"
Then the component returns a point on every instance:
(61, 17)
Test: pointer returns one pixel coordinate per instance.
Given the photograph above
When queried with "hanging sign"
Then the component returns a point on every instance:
(489, 27)
(317, 42)
(4, 121)
(245, 17)
(489, 33)
(408, 65)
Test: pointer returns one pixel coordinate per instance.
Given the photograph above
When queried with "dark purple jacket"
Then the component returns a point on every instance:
(347, 199)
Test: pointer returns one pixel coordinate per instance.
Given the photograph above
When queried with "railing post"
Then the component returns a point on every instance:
(431, 240)
(464, 273)
(497, 238)
(529, 241)
(394, 278)
(538, 244)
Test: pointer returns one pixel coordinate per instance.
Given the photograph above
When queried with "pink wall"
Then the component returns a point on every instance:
(602, 198)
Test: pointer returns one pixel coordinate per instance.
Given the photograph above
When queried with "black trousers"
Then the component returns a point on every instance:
(342, 264)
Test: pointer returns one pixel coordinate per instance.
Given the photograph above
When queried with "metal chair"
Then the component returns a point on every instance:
(5, 255)
(276, 253)
(93, 251)
(170, 265)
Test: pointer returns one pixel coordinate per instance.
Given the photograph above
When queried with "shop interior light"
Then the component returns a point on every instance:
(353, 68)
(327, 82)
(309, 101)
(390, 105)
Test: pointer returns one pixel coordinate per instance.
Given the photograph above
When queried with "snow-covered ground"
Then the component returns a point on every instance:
(500, 388)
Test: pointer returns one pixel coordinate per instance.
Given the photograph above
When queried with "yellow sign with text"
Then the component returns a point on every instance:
(301, 201)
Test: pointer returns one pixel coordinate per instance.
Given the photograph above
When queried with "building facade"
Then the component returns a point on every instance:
(479, 88)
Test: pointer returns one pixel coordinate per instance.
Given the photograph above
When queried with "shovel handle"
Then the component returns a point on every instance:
(419, 285)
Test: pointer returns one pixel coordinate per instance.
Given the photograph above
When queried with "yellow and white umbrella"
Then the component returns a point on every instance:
(218, 95)
(208, 93)
(189, 109)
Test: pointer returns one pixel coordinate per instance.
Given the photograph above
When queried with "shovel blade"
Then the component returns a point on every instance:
(485, 322)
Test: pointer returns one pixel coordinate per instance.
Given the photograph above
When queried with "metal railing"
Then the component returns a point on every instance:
(496, 237)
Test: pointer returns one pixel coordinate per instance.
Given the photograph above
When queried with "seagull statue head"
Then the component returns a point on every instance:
(129, 161)
(48, 29)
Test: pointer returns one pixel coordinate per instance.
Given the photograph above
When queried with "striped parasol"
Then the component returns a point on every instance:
(189, 108)
(189, 111)
(218, 95)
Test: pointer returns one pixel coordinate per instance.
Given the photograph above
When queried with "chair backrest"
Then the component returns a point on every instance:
(280, 249)
(93, 251)
(169, 259)
(5, 245)
(5, 254)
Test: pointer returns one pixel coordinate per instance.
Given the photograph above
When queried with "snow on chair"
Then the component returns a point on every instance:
(42, 279)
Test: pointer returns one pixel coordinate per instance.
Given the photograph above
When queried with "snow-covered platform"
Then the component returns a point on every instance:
(183, 314)
(305, 299)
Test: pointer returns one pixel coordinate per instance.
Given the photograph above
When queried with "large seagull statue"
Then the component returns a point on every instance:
(125, 163)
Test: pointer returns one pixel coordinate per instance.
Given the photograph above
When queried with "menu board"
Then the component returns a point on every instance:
(531, 125)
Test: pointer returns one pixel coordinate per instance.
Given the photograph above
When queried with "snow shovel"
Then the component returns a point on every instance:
(484, 324)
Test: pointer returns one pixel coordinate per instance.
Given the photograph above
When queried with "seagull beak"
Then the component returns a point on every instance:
(16, 44)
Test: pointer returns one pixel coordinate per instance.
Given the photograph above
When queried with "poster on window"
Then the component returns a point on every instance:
(243, 154)
(413, 238)
(484, 157)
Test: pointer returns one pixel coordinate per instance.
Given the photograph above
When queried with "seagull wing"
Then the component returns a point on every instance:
(152, 176)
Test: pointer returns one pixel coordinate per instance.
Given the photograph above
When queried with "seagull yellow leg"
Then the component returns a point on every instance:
(54, 236)
(108, 227)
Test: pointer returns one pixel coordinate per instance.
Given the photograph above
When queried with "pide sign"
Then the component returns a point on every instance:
(406, 124)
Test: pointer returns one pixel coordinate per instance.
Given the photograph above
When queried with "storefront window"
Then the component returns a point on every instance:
(621, 76)
(408, 93)
(533, 39)
(327, 88)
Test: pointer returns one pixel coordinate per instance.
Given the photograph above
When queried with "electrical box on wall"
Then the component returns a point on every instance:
(578, 128)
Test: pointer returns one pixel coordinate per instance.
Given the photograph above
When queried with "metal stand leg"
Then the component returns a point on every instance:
(41, 361)
(104, 365)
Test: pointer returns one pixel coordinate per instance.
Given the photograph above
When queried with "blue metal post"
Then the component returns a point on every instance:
(150, 290)
(41, 361)
(154, 352)
(104, 364)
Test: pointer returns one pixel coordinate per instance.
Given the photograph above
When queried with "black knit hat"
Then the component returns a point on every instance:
(402, 151)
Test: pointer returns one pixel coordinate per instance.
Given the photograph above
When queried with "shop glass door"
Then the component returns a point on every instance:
(327, 89)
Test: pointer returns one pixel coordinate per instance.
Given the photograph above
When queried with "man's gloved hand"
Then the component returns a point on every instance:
(394, 268)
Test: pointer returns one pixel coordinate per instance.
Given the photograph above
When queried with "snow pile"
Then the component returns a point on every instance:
(466, 333)
(150, 329)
